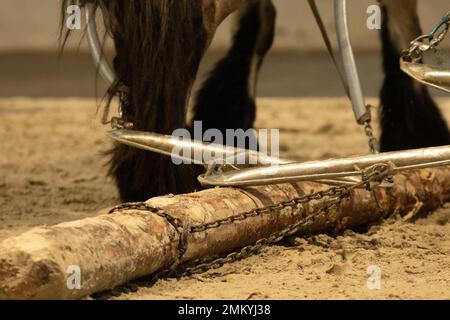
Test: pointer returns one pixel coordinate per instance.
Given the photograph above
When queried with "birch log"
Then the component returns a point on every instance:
(113, 249)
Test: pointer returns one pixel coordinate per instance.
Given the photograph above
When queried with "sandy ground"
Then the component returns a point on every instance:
(52, 170)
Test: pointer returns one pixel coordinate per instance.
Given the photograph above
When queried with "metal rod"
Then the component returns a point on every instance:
(329, 169)
(103, 66)
(193, 151)
(165, 145)
(435, 77)
(362, 114)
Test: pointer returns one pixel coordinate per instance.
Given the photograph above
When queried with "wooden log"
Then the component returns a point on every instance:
(113, 249)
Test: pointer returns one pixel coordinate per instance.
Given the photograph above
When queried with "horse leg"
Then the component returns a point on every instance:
(227, 98)
(159, 45)
(409, 116)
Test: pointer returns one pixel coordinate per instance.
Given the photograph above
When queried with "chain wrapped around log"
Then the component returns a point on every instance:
(131, 243)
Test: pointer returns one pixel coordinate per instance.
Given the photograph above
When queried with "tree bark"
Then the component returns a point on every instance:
(113, 249)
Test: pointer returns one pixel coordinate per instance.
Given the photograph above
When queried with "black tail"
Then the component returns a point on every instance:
(409, 116)
(159, 45)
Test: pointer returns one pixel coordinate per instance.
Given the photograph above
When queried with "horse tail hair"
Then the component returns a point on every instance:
(159, 45)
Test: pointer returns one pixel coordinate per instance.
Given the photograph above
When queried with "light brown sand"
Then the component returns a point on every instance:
(52, 170)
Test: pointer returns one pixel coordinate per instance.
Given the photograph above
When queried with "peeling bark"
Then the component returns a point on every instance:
(113, 249)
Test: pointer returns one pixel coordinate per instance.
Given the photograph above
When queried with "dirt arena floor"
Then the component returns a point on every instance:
(52, 169)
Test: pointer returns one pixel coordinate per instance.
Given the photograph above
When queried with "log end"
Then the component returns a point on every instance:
(25, 273)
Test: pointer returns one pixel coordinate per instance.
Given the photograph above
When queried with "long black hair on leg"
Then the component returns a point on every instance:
(227, 98)
(409, 116)
(159, 45)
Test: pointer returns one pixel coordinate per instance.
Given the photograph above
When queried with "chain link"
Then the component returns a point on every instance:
(427, 42)
(373, 142)
(122, 121)
(181, 228)
(370, 177)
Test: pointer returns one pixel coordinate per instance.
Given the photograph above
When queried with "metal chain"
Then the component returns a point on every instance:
(206, 264)
(372, 176)
(427, 42)
(373, 142)
(122, 121)
(181, 228)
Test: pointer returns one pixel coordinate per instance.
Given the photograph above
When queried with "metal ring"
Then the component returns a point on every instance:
(106, 71)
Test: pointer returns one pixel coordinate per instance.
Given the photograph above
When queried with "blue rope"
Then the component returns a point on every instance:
(445, 21)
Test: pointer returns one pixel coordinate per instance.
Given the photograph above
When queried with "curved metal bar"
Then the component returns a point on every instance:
(362, 114)
(329, 169)
(431, 76)
(103, 66)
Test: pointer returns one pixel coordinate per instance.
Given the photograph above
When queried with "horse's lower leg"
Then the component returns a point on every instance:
(409, 116)
(227, 98)
(159, 45)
